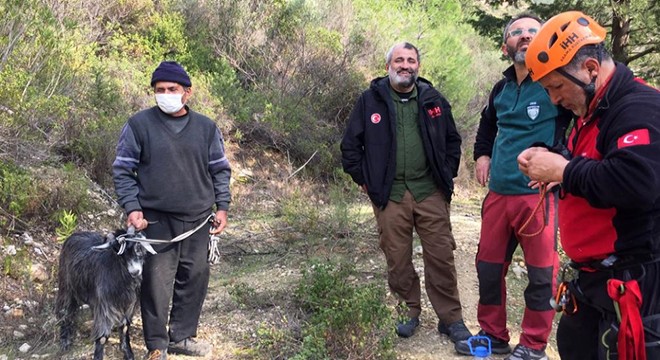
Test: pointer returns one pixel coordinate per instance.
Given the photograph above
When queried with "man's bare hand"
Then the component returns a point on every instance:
(137, 220)
(220, 222)
(542, 165)
(482, 169)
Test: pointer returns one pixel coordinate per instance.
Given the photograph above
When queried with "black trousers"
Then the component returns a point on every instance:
(180, 273)
(591, 333)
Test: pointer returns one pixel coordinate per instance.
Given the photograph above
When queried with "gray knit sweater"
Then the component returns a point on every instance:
(182, 173)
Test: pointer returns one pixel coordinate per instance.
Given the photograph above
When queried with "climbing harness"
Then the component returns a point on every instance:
(564, 300)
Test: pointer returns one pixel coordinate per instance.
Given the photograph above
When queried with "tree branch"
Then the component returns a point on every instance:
(634, 57)
(303, 166)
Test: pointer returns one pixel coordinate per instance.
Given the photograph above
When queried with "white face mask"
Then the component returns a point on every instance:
(169, 103)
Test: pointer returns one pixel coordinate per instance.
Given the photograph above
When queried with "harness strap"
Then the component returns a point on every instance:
(627, 299)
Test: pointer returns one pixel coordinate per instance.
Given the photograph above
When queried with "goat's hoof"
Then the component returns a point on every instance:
(65, 345)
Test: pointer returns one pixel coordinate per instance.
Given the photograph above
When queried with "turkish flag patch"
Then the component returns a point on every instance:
(635, 137)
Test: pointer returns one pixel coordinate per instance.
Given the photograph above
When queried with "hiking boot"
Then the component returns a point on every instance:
(497, 346)
(156, 355)
(456, 331)
(522, 352)
(190, 347)
(407, 329)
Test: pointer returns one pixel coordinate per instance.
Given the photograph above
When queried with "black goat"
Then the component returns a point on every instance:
(105, 274)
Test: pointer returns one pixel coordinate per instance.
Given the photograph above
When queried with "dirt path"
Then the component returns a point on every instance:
(427, 343)
(266, 274)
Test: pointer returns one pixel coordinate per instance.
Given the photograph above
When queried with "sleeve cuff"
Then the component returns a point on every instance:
(131, 206)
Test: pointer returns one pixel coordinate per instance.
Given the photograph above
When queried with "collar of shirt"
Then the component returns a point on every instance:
(403, 98)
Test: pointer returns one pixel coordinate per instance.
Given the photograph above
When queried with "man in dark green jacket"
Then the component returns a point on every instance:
(402, 148)
(519, 113)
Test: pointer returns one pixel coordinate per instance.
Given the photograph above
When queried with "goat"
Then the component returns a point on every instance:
(105, 274)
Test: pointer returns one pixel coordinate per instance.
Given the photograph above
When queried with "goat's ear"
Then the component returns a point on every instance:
(105, 245)
(149, 248)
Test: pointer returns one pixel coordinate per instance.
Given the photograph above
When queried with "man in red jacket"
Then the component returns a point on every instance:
(609, 214)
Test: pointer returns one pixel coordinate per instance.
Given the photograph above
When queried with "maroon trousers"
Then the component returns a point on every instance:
(502, 219)
(430, 218)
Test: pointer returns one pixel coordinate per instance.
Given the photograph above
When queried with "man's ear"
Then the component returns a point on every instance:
(592, 66)
(506, 53)
(187, 92)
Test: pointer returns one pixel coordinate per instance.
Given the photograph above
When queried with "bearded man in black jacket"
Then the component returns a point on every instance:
(402, 148)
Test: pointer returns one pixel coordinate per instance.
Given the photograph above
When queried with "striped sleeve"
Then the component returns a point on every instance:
(123, 170)
(220, 171)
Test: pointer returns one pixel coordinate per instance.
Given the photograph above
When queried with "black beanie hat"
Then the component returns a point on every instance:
(170, 71)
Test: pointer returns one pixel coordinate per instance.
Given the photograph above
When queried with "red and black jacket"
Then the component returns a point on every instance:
(369, 145)
(612, 184)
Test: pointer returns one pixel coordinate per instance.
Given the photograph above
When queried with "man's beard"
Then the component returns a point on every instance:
(404, 82)
(518, 57)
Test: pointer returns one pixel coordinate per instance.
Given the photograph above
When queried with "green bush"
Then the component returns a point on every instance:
(301, 213)
(351, 320)
(274, 342)
(327, 213)
(64, 188)
(17, 266)
(243, 295)
(27, 195)
(67, 225)
(91, 146)
(17, 192)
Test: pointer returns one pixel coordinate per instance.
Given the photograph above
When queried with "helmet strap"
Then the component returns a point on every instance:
(589, 89)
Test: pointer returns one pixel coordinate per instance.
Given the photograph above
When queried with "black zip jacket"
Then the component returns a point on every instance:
(612, 183)
(369, 144)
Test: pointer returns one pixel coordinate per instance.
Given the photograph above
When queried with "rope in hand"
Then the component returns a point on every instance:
(543, 190)
(214, 250)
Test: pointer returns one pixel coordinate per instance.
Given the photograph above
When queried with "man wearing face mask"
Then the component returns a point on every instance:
(170, 173)
(402, 148)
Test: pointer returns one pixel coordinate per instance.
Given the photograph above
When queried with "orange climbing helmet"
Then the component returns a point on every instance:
(558, 41)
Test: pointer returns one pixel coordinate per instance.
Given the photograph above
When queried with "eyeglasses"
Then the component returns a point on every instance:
(519, 31)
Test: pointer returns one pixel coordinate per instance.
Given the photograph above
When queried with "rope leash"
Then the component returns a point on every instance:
(213, 248)
(139, 236)
(543, 190)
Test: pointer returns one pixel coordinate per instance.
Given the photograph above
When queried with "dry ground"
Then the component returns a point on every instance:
(261, 256)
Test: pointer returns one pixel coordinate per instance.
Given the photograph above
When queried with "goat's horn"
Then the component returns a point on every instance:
(148, 247)
(103, 246)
